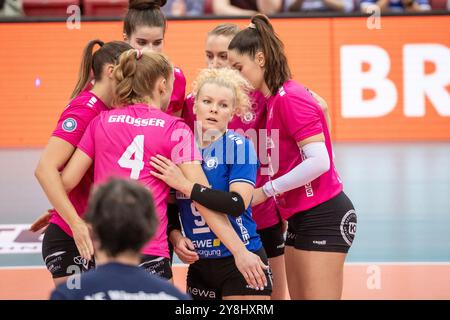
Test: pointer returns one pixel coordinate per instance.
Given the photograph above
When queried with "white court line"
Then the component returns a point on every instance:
(22, 267)
(350, 264)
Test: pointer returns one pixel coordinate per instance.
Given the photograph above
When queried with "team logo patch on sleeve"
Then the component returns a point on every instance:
(249, 117)
(211, 163)
(69, 125)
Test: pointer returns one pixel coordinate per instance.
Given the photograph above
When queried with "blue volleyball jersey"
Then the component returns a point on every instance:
(230, 159)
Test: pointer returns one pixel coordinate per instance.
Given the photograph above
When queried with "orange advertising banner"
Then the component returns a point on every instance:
(392, 84)
(386, 84)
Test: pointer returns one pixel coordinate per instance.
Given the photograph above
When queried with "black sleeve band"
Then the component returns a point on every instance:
(222, 201)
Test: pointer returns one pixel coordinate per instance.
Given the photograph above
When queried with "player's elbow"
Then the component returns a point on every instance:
(318, 157)
(236, 212)
(40, 171)
(237, 206)
(68, 184)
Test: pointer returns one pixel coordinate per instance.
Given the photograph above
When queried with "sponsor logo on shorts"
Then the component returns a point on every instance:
(290, 235)
(79, 260)
(280, 246)
(52, 267)
(155, 266)
(69, 125)
(53, 261)
(320, 242)
(201, 293)
(54, 256)
(348, 227)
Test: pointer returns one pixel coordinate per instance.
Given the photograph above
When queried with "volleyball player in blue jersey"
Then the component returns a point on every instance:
(230, 164)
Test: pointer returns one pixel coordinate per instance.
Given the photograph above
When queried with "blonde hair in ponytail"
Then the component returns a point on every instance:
(136, 76)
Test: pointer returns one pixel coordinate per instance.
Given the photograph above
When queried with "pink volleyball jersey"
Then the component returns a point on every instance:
(251, 125)
(89, 85)
(71, 126)
(179, 90)
(188, 111)
(121, 143)
(297, 116)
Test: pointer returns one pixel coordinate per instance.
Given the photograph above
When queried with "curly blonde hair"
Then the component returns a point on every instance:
(136, 74)
(228, 78)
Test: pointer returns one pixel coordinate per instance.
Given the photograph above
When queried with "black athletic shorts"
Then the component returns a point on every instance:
(213, 279)
(61, 255)
(273, 240)
(159, 266)
(329, 227)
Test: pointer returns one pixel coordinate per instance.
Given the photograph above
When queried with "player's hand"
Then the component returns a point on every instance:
(252, 268)
(82, 239)
(185, 250)
(41, 223)
(169, 173)
(258, 196)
